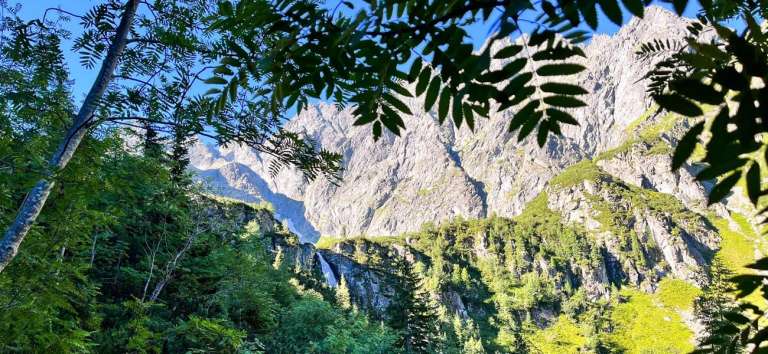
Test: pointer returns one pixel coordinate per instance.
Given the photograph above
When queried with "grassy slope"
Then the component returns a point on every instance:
(642, 323)
(651, 323)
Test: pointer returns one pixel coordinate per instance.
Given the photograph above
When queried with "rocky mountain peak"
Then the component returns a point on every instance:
(436, 172)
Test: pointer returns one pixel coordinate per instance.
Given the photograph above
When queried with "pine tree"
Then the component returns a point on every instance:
(343, 299)
(714, 306)
(152, 144)
(179, 156)
(411, 311)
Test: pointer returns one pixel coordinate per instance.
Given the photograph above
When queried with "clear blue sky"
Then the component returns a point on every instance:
(82, 78)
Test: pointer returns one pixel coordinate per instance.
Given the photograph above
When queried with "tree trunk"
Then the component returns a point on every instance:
(171, 266)
(35, 199)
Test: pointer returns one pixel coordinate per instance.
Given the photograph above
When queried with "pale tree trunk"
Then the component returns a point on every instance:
(35, 199)
(172, 264)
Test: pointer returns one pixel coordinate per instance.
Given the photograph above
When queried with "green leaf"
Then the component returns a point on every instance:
(223, 70)
(588, 9)
(402, 91)
(731, 79)
(222, 102)
(514, 67)
(493, 77)
(517, 83)
(720, 167)
(678, 104)
(215, 80)
(469, 116)
(736, 317)
(508, 52)
(698, 91)
(230, 61)
(528, 126)
(557, 52)
(415, 70)
(364, 119)
(563, 89)
(560, 69)
(612, 10)
(760, 264)
(561, 116)
(424, 77)
(686, 145)
(376, 130)
(520, 96)
(541, 135)
(225, 7)
(391, 120)
(397, 103)
(523, 115)
(564, 101)
(432, 91)
(233, 90)
(747, 284)
(445, 103)
(456, 112)
(721, 189)
(753, 183)
(635, 7)
(679, 6)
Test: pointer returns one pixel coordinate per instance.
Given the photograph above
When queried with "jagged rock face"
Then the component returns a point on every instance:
(369, 289)
(369, 281)
(434, 172)
(646, 235)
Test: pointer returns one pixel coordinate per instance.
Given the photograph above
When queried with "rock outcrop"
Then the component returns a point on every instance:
(435, 172)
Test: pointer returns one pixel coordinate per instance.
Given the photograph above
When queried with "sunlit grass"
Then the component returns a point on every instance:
(643, 325)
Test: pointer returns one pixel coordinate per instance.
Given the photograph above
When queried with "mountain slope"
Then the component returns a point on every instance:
(435, 172)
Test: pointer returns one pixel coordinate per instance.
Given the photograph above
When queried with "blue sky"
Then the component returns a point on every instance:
(82, 78)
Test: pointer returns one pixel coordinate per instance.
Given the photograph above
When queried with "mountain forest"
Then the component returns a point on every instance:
(384, 176)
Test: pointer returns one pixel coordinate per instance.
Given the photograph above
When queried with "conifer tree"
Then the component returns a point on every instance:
(713, 308)
(153, 142)
(179, 155)
(343, 298)
(411, 311)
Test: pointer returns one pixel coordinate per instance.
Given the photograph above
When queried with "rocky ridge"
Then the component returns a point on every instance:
(435, 172)
(632, 221)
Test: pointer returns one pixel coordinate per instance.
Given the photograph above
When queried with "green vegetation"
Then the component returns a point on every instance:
(636, 323)
(327, 242)
(648, 140)
(411, 312)
(716, 307)
(122, 254)
(642, 326)
(579, 172)
(488, 263)
(171, 271)
(737, 248)
(129, 256)
(677, 294)
(631, 128)
(563, 336)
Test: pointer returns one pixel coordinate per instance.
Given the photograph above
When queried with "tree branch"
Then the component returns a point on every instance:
(35, 200)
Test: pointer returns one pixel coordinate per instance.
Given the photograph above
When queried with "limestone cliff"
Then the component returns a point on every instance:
(435, 172)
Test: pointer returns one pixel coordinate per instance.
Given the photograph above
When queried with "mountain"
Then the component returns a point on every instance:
(591, 238)
(434, 173)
